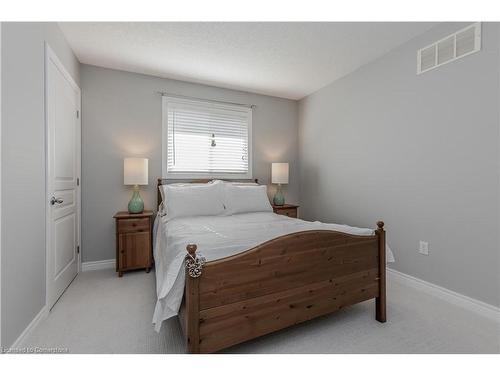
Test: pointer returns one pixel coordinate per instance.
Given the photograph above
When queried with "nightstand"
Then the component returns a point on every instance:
(289, 210)
(133, 241)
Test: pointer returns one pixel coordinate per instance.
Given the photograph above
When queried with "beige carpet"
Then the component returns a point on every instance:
(101, 313)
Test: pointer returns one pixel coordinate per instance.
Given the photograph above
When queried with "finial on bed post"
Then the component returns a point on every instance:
(380, 225)
(191, 249)
(194, 263)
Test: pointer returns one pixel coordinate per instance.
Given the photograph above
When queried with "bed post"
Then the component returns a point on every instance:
(158, 194)
(380, 301)
(192, 306)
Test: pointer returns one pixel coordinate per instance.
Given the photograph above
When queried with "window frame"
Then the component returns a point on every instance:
(202, 175)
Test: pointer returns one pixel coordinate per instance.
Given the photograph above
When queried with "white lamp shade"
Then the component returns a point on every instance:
(279, 173)
(135, 171)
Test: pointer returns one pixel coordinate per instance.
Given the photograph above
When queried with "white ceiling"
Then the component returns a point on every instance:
(289, 60)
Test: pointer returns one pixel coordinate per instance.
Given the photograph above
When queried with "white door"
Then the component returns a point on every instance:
(63, 175)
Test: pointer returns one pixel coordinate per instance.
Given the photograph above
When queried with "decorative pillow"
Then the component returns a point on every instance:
(182, 200)
(246, 198)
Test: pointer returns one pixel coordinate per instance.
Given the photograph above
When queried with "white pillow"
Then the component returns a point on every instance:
(163, 187)
(246, 198)
(193, 200)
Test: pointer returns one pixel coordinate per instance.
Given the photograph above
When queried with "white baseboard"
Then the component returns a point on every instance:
(19, 343)
(474, 305)
(98, 265)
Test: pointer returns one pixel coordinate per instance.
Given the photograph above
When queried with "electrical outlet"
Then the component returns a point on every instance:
(424, 248)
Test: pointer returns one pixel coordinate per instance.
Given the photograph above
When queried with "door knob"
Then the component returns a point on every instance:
(55, 200)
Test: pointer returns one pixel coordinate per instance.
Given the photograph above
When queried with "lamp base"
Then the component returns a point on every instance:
(136, 204)
(279, 198)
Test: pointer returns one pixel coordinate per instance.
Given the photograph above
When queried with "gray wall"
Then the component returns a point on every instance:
(121, 116)
(420, 152)
(23, 169)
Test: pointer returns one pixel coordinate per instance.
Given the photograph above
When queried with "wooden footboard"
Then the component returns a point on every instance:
(277, 284)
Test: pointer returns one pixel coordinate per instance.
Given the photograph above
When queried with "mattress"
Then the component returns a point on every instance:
(218, 237)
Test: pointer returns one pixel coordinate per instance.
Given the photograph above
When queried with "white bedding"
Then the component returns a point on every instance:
(218, 237)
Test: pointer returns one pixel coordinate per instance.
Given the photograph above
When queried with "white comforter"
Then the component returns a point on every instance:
(217, 237)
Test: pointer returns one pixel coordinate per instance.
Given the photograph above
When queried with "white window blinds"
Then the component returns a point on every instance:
(203, 139)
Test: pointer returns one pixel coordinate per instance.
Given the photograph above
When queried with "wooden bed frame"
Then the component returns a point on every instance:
(280, 283)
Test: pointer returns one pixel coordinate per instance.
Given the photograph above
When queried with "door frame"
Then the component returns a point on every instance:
(50, 55)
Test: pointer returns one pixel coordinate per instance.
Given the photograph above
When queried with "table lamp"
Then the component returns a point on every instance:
(135, 172)
(279, 175)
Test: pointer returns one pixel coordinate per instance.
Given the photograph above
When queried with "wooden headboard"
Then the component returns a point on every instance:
(163, 181)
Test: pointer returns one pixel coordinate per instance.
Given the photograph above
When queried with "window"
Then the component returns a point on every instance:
(203, 139)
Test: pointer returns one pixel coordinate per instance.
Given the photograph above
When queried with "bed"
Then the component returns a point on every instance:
(234, 278)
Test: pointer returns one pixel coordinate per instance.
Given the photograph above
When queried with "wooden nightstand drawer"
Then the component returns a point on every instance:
(133, 225)
(289, 210)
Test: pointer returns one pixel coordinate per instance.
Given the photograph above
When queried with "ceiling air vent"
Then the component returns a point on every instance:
(450, 48)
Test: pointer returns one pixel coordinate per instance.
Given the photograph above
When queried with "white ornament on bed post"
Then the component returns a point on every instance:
(194, 263)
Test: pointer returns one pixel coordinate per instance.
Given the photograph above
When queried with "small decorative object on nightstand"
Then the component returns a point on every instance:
(279, 175)
(133, 241)
(289, 210)
(135, 172)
